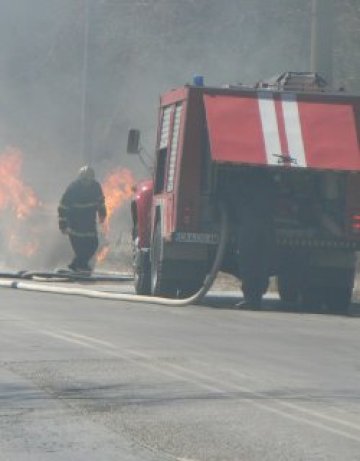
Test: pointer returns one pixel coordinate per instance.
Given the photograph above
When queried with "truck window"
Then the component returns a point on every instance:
(160, 171)
(162, 152)
(174, 148)
(168, 146)
(165, 127)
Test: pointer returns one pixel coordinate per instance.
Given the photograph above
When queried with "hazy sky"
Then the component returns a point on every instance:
(136, 50)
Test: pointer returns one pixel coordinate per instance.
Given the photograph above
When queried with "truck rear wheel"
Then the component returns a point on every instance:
(338, 299)
(288, 288)
(160, 286)
(311, 297)
(333, 291)
(290, 277)
(141, 266)
(335, 300)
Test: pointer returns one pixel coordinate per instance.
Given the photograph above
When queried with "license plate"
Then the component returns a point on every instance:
(196, 237)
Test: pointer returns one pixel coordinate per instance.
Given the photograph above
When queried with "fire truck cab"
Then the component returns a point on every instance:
(304, 135)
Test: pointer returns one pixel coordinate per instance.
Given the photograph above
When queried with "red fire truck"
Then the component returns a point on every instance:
(305, 135)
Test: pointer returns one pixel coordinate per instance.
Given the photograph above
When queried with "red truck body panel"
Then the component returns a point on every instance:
(265, 128)
(244, 126)
(208, 140)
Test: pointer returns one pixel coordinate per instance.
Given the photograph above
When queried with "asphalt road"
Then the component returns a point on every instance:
(85, 379)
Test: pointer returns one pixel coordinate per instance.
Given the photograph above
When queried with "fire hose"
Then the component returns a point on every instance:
(195, 298)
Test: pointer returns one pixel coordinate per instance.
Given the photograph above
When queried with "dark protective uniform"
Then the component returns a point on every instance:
(255, 232)
(78, 209)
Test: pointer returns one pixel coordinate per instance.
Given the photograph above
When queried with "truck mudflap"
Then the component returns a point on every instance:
(283, 129)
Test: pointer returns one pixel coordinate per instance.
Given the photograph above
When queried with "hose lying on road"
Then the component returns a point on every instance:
(136, 298)
(66, 276)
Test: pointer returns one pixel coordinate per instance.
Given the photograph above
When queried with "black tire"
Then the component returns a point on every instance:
(160, 286)
(253, 290)
(189, 288)
(335, 300)
(311, 297)
(338, 296)
(288, 288)
(141, 267)
(333, 294)
(338, 299)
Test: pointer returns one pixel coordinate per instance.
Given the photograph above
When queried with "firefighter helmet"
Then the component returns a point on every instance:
(86, 173)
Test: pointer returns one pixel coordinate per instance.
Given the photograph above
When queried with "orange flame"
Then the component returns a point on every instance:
(17, 246)
(103, 253)
(14, 194)
(117, 188)
(17, 200)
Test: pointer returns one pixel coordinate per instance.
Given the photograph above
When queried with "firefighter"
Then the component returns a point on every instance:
(255, 234)
(79, 207)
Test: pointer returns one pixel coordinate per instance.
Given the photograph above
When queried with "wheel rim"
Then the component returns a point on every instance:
(154, 262)
(135, 252)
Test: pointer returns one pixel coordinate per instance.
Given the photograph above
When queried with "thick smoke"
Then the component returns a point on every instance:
(121, 55)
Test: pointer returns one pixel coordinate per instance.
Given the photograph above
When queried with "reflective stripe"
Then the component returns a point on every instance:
(270, 127)
(271, 132)
(100, 204)
(85, 205)
(293, 129)
(82, 234)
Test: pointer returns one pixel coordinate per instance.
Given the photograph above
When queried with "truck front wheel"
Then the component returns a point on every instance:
(141, 266)
(160, 286)
(338, 299)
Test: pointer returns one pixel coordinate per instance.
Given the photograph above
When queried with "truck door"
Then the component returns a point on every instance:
(166, 163)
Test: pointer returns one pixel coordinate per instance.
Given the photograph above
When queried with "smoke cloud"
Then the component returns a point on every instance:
(80, 73)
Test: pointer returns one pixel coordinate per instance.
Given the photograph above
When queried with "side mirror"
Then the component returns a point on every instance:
(133, 144)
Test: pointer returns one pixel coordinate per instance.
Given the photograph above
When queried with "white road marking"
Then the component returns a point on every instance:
(221, 385)
(197, 378)
(308, 411)
(185, 459)
(113, 352)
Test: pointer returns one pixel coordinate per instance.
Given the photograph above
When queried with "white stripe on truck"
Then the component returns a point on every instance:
(270, 127)
(293, 129)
